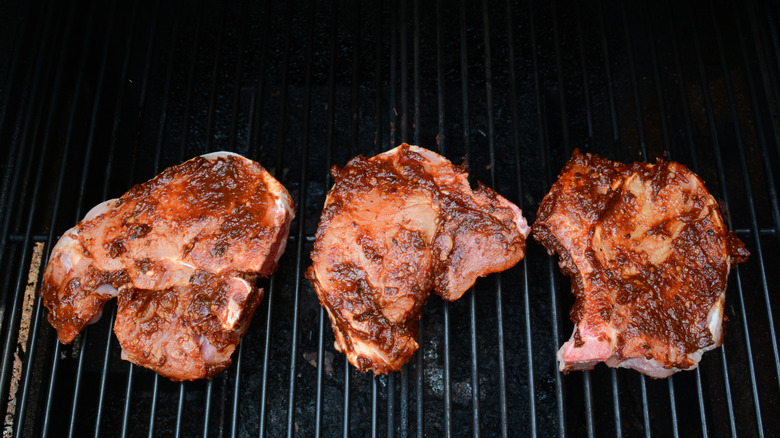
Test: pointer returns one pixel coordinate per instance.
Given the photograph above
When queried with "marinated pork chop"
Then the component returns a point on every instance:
(648, 255)
(395, 227)
(182, 253)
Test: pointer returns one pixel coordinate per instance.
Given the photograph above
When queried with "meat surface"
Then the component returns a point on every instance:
(181, 252)
(648, 255)
(395, 227)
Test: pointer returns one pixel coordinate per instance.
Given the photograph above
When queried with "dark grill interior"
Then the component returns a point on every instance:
(96, 97)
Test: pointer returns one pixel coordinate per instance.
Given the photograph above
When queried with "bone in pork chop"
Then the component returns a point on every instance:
(648, 255)
(395, 227)
(182, 253)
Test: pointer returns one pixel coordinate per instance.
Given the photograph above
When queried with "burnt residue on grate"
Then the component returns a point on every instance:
(98, 96)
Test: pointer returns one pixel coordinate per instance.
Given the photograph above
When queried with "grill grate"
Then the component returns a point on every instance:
(96, 97)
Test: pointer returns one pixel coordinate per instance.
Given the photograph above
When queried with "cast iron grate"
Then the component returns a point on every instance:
(96, 97)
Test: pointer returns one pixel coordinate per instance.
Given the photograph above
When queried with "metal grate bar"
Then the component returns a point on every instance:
(330, 127)
(586, 378)
(190, 82)
(83, 185)
(22, 126)
(257, 107)
(301, 201)
(667, 147)
(542, 139)
(206, 409)
(394, 122)
(280, 145)
(753, 221)
(179, 410)
(559, 388)
(686, 112)
(10, 85)
(33, 207)
(464, 78)
(559, 75)
(745, 172)
(354, 112)
(768, 74)
(639, 115)
(419, 370)
(277, 172)
(128, 398)
(214, 73)
(724, 193)
(491, 147)
(238, 75)
(616, 142)
(442, 148)
(13, 152)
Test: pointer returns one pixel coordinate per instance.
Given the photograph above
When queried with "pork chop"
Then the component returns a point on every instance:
(182, 252)
(395, 227)
(648, 255)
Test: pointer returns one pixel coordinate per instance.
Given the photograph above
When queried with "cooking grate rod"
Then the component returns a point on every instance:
(33, 205)
(695, 166)
(491, 147)
(85, 171)
(724, 194)
(659, 92)
(639, 117)
(442, 149)
(745, 174)
(754, 223)
(464, 77)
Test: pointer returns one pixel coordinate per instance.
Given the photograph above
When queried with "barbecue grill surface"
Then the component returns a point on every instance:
(98, 96)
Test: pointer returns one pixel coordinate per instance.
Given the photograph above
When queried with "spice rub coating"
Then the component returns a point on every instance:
(648, 254)
(394, 228)
(182, 252)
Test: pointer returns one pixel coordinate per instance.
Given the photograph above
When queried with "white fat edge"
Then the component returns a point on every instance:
(222, 154)
(233, 311)
(715, 322)
(649, 367)
(282, 201)
(99, 209)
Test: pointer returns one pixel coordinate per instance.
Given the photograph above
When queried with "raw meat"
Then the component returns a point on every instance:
(182, 253)
(395, 227)
(648, 255)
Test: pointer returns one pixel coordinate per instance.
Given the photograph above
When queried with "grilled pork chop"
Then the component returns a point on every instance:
(182, 253)
(648, 255)
(395, 227)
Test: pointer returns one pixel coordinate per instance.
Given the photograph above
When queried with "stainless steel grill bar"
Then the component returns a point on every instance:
(16, 155)
(233, 134)
(82, 188)
(771, 187)
(586, 378)
(330, 127)
(724, 194)
(281, 145)
(491, 147)
(442, 149)
(756, 240)
(418, 369)
(33, 207)
(661, 99)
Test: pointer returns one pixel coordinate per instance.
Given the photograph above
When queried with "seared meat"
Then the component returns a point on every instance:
(395, 227)
(182, 252)
(648, 255)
